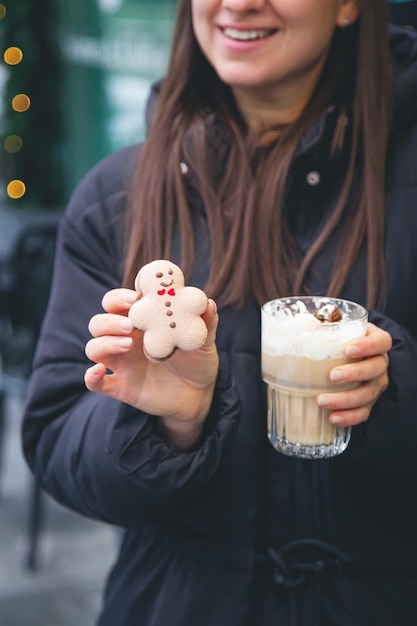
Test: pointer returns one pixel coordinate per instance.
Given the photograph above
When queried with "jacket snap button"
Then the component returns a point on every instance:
(313, 178)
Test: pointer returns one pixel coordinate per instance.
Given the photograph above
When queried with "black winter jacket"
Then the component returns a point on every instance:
(234, 533)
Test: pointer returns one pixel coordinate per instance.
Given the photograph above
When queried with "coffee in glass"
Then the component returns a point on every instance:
(303, 338)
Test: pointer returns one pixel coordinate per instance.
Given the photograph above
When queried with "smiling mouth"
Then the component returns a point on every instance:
(247, 35)
(167, 284)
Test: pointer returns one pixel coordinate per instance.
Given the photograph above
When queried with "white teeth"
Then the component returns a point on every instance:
(245, 35)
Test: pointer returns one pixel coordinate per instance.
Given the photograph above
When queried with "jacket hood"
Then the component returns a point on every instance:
(404, 55)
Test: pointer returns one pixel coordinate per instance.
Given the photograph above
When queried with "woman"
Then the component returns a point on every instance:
(273, 165)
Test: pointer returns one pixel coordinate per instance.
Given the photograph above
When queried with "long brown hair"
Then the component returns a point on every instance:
(244, 203)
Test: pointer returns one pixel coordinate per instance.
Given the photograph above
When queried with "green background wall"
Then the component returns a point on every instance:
(88, 66)
(112, 51)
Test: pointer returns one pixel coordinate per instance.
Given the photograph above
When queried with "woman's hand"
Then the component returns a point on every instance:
(179, 391)
(354, 406)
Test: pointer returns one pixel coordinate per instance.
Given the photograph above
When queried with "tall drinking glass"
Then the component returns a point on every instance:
(303, 338)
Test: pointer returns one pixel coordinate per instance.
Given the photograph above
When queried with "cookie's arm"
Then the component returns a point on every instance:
(194, 299)
(142, 313)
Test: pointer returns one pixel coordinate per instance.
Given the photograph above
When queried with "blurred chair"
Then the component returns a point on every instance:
(25, 279)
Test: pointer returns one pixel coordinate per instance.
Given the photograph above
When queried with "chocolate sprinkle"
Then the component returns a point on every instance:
(334, 316)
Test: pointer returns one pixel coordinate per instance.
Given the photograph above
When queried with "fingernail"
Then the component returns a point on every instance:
(336, 376)
(324, 401)
(125, 342)
(126, 324)
(336, 419)
(352, 351)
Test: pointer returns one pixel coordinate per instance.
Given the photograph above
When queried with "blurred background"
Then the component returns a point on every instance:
(74, 80)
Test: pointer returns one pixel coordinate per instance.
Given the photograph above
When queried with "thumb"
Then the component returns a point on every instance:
(211, 320)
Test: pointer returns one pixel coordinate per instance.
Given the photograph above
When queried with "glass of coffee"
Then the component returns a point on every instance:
(303, 338)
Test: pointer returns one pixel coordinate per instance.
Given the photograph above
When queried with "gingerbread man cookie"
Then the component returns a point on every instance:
(167, 311)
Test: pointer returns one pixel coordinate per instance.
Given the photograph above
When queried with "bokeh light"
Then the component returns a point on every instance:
(21, 102)
(2, 11)
(13, 143)
(16, 189)
(13, 55)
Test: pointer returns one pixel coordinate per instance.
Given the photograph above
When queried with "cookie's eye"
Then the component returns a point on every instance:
(170, 272)
(159, 274)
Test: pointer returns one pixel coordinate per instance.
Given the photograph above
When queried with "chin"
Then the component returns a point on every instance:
(242, 81)
(238, 74)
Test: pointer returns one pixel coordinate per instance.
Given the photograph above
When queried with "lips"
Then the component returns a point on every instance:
(247, 35)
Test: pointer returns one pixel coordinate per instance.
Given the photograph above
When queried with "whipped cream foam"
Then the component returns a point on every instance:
(291, 327)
